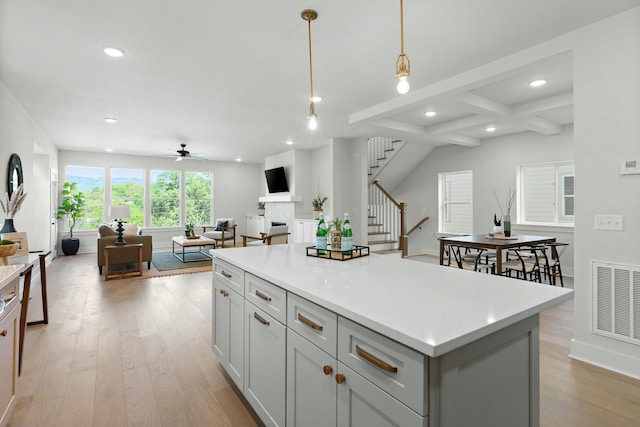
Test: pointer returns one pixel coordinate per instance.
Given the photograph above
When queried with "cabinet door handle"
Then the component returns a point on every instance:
(309, 323)
(224, 293)
(340, 378)
(7, 300)
(3, 332)
(225, 274)
(260, 319)
(327, 369)
(375, 361)
(263, 296)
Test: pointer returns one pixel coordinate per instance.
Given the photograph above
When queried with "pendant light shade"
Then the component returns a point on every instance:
(403, 65)
(310, 15)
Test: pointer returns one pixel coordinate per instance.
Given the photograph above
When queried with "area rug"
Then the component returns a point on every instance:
(164, 261)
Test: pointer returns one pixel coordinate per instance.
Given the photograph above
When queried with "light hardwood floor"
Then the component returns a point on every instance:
(137, 352)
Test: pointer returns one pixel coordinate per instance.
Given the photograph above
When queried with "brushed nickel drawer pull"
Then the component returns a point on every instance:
(260, 319)
(309, 323)
(263, 296)
(225, 274)
(4, 333)
(375, 361)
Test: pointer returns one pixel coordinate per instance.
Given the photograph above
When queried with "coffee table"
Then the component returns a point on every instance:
(183, 242)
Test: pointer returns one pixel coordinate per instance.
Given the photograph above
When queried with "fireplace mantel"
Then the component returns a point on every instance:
(280, 198)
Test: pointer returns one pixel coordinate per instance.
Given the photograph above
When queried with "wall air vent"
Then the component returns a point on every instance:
(616, 301)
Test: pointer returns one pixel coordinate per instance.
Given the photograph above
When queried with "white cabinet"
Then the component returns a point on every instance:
(255, 225)
(361, 404)
(304, 230)
(9, 336)
(265, 365)
(311, 386)
(228, 330)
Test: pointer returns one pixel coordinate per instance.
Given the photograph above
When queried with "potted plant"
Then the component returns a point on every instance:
(317, 203)
(188, 231)
(10, 207)
(72, 208)
(335, 231)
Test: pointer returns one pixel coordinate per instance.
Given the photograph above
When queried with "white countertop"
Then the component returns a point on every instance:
(8, 273)
(427, 307)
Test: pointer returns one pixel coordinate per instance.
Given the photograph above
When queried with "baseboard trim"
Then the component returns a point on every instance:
(606, 359)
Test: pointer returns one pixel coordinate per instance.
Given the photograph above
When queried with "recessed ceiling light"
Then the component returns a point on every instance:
(316, 99)
(111, 120)
(113, 51)
(491, 129)
(430, 113)
(238, 159)
(108, 150)
(289, 142)
(537, 83)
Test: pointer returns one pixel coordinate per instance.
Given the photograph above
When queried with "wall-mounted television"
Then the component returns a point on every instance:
(276, 180)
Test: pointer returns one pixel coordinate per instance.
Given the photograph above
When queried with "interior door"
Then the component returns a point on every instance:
(53, 208)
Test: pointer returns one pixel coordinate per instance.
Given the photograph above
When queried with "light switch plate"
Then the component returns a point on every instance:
(609, 222)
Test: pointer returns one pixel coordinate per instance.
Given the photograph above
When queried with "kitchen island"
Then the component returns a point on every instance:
(377, 340)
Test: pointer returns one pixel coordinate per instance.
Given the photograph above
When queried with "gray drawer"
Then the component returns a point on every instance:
(229, 274)
(317, 324)
(266, 296)
(395, 368)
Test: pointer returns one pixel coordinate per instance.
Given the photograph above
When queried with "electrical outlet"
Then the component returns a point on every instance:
(609, 222)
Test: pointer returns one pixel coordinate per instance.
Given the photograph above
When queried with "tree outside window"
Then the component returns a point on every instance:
(127, 188)
(90, 181)
(165, 198)
(198, 191)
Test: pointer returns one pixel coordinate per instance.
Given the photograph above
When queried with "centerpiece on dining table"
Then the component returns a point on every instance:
(504, 220)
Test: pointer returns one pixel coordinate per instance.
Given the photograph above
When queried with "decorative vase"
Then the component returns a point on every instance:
(8, 226)
(317, 213)
(497, 229)
(336, 239)
(506, 223)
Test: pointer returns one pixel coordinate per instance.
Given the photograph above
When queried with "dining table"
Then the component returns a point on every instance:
(496, 242)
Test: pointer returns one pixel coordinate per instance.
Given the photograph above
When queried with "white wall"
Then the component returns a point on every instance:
(494, 164)
(236, 187)
(607, 131)
(21, 135)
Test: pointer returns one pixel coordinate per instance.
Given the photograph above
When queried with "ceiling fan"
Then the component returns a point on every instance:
(184, 154)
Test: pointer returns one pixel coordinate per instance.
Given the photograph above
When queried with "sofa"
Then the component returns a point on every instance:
(132, 234)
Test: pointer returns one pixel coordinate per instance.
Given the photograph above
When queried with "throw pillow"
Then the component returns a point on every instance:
(130, 229)
(222, 225)
(104, 231)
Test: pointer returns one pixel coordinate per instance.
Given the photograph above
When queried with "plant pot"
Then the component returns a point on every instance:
(8, 226)
(336, 239)
(317, 213)
(70, 246)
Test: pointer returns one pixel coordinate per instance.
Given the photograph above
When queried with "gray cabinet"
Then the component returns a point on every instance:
(228, 331)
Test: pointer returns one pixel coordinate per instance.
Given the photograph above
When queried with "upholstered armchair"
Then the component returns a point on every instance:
(224, 230)
(132, 234)
(277, 235)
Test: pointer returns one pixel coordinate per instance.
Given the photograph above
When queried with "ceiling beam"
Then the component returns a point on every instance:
(541, 105)
(540, 125)
(455, 125)
(482, 105)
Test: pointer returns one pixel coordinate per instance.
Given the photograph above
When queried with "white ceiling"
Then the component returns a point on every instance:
(231, 78)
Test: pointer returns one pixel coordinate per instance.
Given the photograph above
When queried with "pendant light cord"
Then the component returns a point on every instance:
(401, 28)
(310, 63)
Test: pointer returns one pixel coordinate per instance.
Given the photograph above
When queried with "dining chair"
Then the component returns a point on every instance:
(470, 260)
(526, 265)
(552, 265)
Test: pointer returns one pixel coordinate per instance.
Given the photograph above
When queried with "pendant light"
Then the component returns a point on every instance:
(403, 65)
(310, 15)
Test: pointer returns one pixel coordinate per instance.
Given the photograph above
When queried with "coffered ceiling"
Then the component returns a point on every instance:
(231, 79)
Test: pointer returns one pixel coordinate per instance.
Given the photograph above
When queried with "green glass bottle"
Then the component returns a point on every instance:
(321, 236)
(346, 243)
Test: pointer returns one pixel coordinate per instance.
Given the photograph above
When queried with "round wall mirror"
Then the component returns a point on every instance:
(14, 174)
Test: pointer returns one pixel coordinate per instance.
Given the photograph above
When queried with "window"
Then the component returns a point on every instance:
(91, 182)
(127, 188)
(546, 194)
(198, 190)
(455, 196)
(165, 198)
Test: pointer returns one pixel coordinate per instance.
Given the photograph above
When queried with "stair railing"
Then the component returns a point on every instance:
(389, 212)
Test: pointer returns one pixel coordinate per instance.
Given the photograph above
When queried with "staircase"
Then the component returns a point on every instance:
(391, 160)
